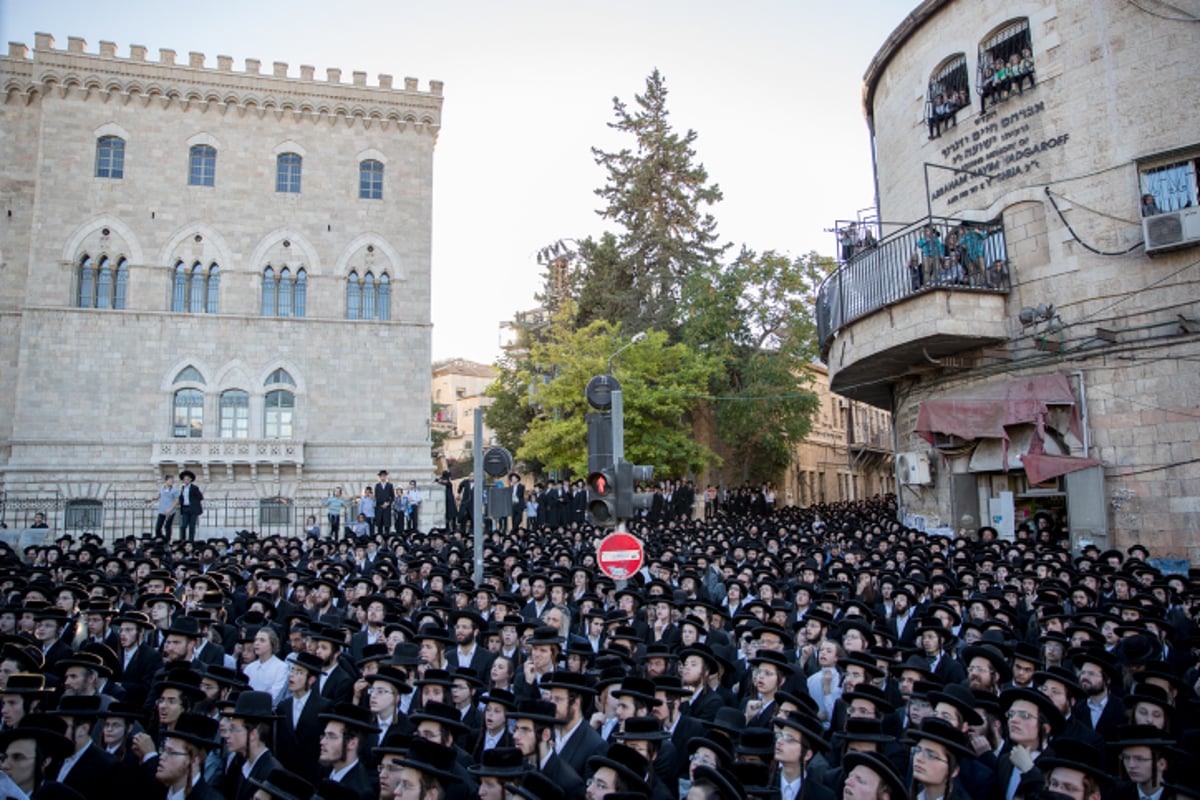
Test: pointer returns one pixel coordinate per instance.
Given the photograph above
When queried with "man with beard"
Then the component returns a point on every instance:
(987, 669)
(1061, 686)
(467, 652)
(376, 608)
(575, 741)
(902, 623)
(88, 769)
(933, 638)
(181, 760)
(545, 645)
(345, 727)
(1100, 708)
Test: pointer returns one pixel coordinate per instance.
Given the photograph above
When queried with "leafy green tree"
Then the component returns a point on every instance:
(660, 199)
(660, 383)
(755, 315)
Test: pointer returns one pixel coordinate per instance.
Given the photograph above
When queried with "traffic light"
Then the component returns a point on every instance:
(602, 497)
(628, 477)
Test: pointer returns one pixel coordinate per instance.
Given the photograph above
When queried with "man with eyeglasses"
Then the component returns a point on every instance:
(1098, 671)
(29, 752)
(181, 759)
(1060, 685)
(345, 727)
(1143, 761)
(1030, 720)
(385, 688)
(937, 750)
(298, 733)
(249, 735)
(533, 735)
(768, 670)
(1076, 770)
(797, 739)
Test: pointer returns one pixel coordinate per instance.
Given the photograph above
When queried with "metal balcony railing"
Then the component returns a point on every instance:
(933, 254)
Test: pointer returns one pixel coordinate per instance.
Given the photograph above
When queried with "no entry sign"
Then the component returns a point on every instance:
(620, 555)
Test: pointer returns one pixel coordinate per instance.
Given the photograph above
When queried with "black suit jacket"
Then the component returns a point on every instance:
(385, 493)
(202, 791)
(704, 707)
(561, 774)
(584, 743)
(138, 675)
(481, 661)
(299, 746)
(339, 686)
(357, 780)
(239, 788)
(195, 504)
(92, 774)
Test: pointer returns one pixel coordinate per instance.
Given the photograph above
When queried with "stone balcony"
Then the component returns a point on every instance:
(878, 317)
(207, 454)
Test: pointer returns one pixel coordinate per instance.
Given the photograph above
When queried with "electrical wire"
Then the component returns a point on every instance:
(1185, 18)
(1097, 211)
(1154, 469)
(1082, 243)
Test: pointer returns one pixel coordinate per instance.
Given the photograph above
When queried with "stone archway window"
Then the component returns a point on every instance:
(102, 282)
(368, 297)
(1011, 46)
(370, 179)
(202, 165)
(279, 411)
(284, 293)
(196, 288)
(287, 172)
(110, 157)
(188, 414)
(235, 414)
(949, 91)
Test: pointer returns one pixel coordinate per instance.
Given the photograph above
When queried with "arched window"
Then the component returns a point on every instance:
(190, 375)
(121, 285)
(284, 293)
(235, 414)
(101, 285)
(196, 288)
(196, 293)
(188, 414)
(278, 410)
(1011, 47)
(368, 296)
(287, 172)
(353, 297)
(280, 376)
(110, 157)
(370, 180)
(283, 307)
(214, 285)
(949, 91)
(300, 293)
(202, 165)
(268, 292)
(383, 303)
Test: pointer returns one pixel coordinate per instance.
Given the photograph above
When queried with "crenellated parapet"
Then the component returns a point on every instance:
(193, 85)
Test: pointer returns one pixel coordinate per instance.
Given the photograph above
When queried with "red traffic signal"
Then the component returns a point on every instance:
(602, 498)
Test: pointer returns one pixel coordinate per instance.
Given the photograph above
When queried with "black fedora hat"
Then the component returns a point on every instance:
(880, 766)
(48, 731)
(183, 678)
(865, 729)
(1101, 658)
(501, 762)
(352, 716)
(726, 784)
(807, 726)
(26, 683)
(571, 681)
(543, 711)
(872, 694)
(184, 626)
(993, 656)
(86, 660)
(199, 729)
(536, 786)
(641, 689)
(310, 662)
(429, 758)
(647, 729)
(959, 696)
(935, 729)
(283, 785)
(434, 633)
(775, 659)
(501, 697)
(79, 706)
(626, 762)
(1077, 755)
(395, 676)
(443, 714)
(1045, 705)
(253, 706)
(703, 651)
(546, 635)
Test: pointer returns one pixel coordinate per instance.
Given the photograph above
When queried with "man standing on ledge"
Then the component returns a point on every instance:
(168, 503)
(191, 505)
(385, 497)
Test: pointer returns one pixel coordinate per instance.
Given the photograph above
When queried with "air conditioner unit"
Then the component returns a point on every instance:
(1172, 230)
(913, 469)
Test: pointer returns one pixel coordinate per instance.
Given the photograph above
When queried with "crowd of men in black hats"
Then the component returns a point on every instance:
(781, 654)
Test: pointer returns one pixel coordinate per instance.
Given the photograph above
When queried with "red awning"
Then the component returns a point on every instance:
(983, 412)
(1041, 467)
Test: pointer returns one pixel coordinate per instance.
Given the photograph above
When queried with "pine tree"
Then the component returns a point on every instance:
(660, 198)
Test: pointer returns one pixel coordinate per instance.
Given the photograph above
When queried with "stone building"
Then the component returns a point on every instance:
(1051, 365)
(221, 269)
(846, 456)
(458, 392)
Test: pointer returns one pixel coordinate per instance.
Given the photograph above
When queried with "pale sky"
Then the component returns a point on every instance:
(772, 88)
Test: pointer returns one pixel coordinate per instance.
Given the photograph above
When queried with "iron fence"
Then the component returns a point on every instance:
(933, 254)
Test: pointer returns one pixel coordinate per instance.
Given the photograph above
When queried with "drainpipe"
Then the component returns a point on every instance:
(1083, 414)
